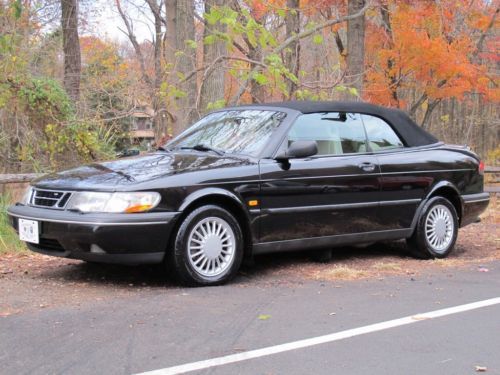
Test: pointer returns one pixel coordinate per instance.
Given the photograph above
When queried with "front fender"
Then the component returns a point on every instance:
(236, 205)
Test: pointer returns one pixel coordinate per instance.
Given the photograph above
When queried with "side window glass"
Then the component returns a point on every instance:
(336, 133)
(380, 134)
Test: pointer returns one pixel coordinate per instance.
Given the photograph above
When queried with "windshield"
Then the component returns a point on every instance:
(235, 131)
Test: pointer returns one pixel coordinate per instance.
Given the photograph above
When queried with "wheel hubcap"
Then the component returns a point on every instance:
(211, 246)
(439, 228)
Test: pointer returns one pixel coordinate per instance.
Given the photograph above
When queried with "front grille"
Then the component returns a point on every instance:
(49, 198)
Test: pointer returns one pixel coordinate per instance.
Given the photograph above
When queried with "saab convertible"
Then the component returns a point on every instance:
(260, 178)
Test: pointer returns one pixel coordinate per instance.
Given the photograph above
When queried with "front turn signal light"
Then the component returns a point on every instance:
(139, 208)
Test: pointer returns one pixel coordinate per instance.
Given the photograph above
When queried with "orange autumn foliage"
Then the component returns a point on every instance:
(432, 50)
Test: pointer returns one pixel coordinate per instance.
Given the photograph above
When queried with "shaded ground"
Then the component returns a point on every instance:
(30, 281)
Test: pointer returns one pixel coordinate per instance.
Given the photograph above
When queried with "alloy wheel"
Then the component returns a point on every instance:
(439, 228)
(211, 246)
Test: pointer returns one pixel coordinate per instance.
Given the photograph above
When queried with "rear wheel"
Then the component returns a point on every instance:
(208, 247)
(436, 231)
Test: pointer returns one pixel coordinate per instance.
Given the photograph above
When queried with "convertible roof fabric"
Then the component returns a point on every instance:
(412, 134)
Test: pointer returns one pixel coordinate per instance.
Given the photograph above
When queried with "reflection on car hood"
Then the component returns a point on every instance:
(108, 175)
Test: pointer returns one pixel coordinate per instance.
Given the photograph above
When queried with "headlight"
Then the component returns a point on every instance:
(113, 202)
(27, 196)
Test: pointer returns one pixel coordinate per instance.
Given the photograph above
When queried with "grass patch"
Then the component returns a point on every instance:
(452, 262)
(9, 240)
(382, 266)
(341, 272)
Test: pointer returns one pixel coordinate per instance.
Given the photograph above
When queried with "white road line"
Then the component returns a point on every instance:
(232, 358)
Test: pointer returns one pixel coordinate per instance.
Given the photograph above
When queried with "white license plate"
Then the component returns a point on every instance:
(28, 230)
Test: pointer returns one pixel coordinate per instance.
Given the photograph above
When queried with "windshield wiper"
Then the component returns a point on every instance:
(161, 148)
(201, 147)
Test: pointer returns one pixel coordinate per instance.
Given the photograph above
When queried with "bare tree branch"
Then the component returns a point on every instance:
(480, 42)
(137, 48)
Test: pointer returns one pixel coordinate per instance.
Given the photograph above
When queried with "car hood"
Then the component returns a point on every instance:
(128, 171)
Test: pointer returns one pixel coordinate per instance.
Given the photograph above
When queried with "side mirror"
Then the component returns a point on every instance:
(299, 149)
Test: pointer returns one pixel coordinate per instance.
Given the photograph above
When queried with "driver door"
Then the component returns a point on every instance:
(332, 193)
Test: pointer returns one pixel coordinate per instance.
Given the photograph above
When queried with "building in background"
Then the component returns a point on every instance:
(142, 132)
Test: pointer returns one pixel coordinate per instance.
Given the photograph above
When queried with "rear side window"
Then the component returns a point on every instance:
(380, 134)
(336, 133)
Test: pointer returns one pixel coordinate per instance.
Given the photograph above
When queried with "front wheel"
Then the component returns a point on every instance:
(208, 247)
(436, 231)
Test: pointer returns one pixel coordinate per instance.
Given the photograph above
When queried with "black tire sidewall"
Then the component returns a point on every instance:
(421, 240)
(180, 259)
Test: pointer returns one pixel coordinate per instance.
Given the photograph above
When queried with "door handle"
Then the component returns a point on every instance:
(367, 166)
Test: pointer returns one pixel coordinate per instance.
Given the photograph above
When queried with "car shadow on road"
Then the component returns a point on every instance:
(111, 274)
(340, 256)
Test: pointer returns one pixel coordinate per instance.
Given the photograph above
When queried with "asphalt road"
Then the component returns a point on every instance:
(170, 326)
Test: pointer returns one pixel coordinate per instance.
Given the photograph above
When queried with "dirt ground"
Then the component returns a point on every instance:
(30, 281)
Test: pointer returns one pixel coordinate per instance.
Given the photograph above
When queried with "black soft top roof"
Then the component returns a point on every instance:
(412, 134)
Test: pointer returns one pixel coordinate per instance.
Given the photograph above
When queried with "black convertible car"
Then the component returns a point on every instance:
(260, 178)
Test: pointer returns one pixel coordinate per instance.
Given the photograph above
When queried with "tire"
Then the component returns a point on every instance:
(208, 247)
(436, 231)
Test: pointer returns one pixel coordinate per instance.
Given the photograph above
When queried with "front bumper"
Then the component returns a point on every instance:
(99, 237)
(473, 206)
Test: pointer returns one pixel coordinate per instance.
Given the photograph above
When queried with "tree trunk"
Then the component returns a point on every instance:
(292, 56)
(386, 22)
(180, 28)
(257, 91)
(187, 61)
(71, 48)
(170, 38)
(159, 119)
(212, 85)
(428, 113)
(355, 45)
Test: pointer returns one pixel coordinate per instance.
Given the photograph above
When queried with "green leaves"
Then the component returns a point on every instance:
(260, 78)
(353, 91)
(214, 16)
(209, 39)
(318, 39)
(243, 26)
(221, 103)
(45, 96)
(17, 8)
(306, 95)
(173, 92)
(191, 44)
(87, 139)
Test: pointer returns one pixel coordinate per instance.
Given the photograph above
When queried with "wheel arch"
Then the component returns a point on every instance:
(449, 191)
(224, 199)
(446, 190)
